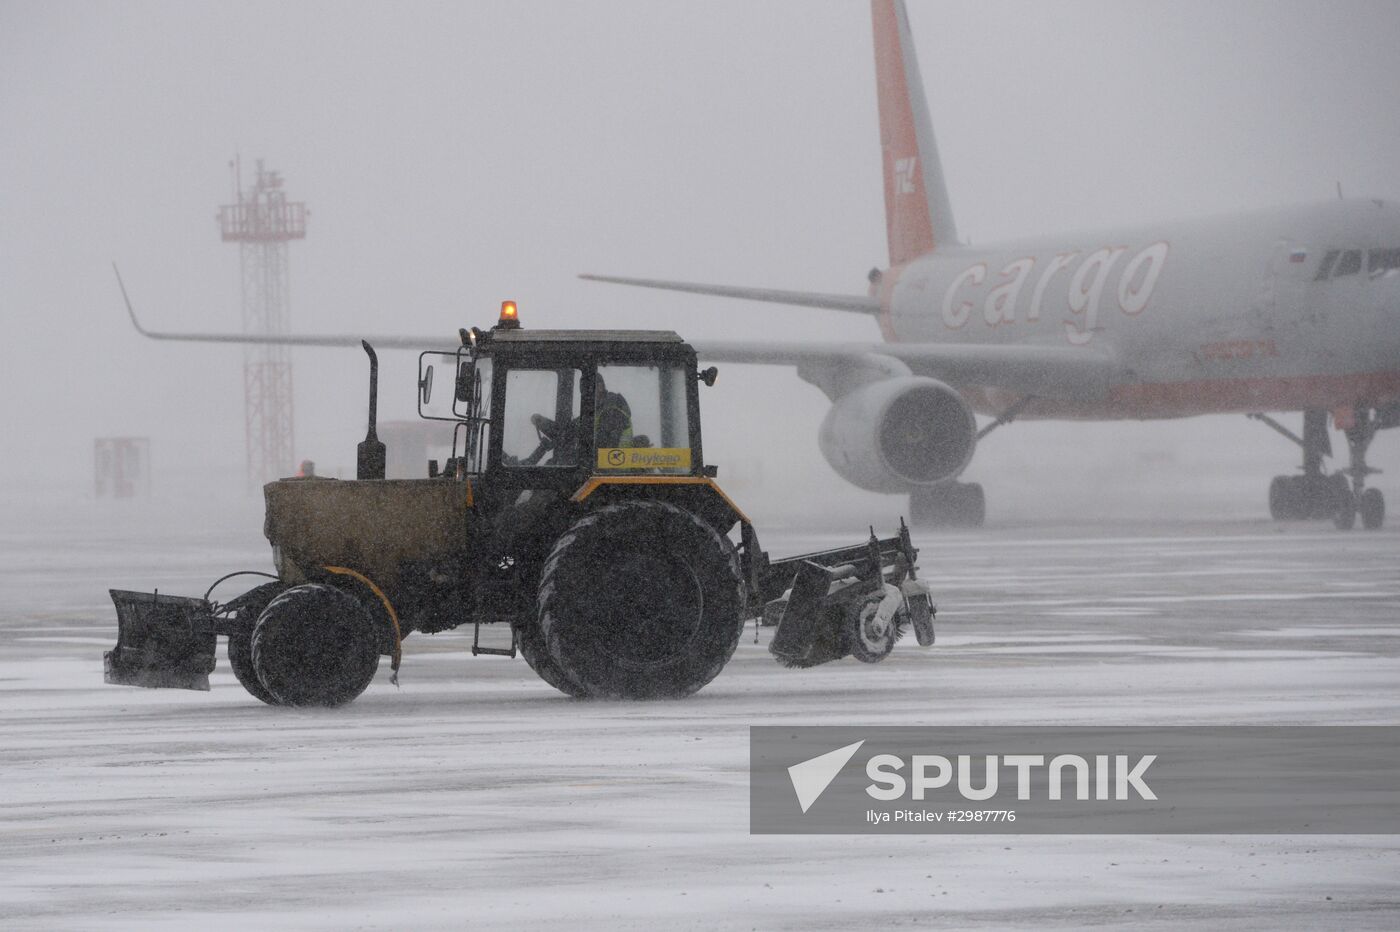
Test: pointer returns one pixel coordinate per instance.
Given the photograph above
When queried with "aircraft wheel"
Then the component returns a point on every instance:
(953, 504)
(1345, 518)
(641, 600)
(1372, 508)
(974, 506)
(1326, 496)
(1315, 496)
(315, 645)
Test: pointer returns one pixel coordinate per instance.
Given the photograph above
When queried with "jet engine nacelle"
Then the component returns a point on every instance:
(899, 434)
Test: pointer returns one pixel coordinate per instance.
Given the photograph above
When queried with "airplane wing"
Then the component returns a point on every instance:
(1043, 371)
(437, 341)
(834, 302)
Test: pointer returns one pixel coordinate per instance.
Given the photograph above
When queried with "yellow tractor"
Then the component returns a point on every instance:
(577, 507)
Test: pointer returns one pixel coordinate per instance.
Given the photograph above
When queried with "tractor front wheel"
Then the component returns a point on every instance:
(315, 645)
(250, 605)
(641, 600)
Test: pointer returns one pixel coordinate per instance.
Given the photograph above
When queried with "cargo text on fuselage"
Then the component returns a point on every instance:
(1075, 286)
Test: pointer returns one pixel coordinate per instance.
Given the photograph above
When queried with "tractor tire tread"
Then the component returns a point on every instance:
(296, 612)
(592, 533)
(240, 646)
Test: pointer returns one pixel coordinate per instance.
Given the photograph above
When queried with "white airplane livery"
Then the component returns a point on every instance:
(1290, 309)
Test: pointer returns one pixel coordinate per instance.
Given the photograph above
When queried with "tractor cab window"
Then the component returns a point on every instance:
(640, 418)
(541, 422)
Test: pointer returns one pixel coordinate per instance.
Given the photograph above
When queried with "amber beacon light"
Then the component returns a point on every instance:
(510, 316)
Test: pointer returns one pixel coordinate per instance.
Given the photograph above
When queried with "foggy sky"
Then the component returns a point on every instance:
(453, 155)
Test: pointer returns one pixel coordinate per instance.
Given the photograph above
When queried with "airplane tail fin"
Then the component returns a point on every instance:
(918, 216)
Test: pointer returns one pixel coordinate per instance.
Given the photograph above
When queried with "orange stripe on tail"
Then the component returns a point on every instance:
(918, 218)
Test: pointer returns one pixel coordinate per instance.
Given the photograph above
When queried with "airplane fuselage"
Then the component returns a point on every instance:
(1229, 314)
(1289, 309)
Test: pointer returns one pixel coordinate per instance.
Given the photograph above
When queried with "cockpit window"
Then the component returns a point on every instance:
(1348, 264)
(1325, 269)
(1382, 261)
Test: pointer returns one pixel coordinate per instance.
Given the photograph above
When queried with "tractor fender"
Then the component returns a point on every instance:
(698, 494)
(368, 587)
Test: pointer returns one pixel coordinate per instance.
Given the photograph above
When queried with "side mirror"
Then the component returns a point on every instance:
(425, 385)
(434, 407)
(708, 376)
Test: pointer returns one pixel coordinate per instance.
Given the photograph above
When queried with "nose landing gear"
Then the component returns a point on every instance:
(1368, 503)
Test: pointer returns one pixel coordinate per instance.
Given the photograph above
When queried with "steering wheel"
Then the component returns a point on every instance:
(548, 433)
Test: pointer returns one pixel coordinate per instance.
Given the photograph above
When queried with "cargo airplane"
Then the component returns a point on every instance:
(1290, 309)
(1293, 309)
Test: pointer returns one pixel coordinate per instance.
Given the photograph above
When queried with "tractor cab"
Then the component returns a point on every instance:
(570, 411)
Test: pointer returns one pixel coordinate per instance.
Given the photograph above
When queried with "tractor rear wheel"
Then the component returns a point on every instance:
(240, 646)
(315, 645)
(641, 600)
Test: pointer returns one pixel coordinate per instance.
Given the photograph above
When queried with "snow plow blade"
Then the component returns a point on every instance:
(821, 591)
(163, 641)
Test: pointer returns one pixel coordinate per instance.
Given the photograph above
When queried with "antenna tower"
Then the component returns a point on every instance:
(262, 222)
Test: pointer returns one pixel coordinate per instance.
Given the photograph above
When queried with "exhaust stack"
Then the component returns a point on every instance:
(369, 458)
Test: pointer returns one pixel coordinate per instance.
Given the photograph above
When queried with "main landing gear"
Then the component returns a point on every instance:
(950, 504)
(1341, 496)
(959, 504)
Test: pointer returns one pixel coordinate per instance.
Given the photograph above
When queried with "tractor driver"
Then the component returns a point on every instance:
(612, 428)
(612, 417)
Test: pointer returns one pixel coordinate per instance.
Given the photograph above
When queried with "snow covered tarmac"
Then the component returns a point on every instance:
(475, 794)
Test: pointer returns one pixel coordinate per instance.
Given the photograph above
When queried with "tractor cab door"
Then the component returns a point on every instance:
(537, 430)
(535, 458)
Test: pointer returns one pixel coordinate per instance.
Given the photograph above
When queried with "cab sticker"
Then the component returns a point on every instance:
(644, 458)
